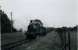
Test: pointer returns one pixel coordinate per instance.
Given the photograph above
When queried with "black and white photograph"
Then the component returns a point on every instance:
(38, 25)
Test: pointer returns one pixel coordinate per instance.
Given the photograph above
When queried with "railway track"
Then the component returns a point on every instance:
(10, 46)
(14, 44)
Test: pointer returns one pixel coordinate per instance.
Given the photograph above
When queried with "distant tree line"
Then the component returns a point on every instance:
(64, 29)
(6, 26)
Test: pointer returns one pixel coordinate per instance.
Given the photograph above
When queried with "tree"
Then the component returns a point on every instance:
(6, 23)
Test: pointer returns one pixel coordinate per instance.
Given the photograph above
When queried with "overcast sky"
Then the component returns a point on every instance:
(53, 13)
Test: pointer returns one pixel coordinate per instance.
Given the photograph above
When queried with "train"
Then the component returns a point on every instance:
(35, 29)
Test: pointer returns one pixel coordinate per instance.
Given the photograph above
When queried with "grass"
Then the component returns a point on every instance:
(11, 37)
(49, 42)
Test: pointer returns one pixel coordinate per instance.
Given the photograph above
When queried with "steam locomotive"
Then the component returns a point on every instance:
(35, 29)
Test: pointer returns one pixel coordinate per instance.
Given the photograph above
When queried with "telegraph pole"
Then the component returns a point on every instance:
(11, 21)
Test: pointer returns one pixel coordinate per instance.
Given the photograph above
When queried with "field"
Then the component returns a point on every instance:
(7, 38)
(51, 41)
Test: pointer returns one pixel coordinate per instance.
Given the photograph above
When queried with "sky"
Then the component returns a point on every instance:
(53, 13)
